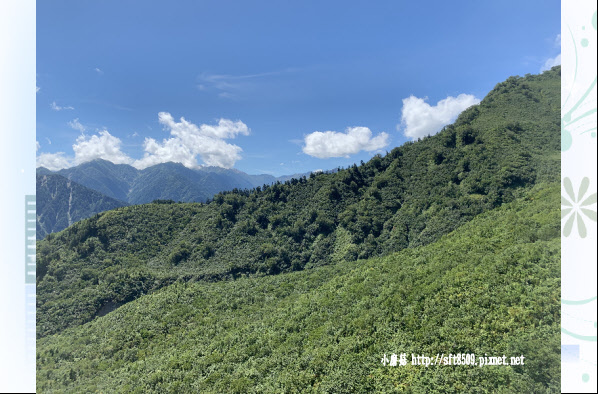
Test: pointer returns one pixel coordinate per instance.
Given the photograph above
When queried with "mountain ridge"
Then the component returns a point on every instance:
(60, 202)
(408, 198)
(123, 182)
(122, 185)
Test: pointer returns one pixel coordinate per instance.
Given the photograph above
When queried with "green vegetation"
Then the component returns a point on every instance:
(492, 286)
(100, 185)
(446, 245)
(494, 152)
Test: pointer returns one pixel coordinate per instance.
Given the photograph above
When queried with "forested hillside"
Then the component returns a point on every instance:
(494, 152)
(491, 288)
(61, 202)
(110, 185)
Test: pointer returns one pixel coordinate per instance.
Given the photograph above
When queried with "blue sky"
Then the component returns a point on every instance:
(273, 87)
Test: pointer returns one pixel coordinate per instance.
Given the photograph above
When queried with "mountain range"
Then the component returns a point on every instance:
(62, 202)
(103, 185)
(446, 245)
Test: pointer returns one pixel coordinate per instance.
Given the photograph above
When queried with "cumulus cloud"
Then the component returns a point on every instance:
(53, 161)
(335, 144)
(86, 148)
(420, 119)
(103, 146)
(189, 141)
(550, 63)
(57, 107)
(553, 61)
(75, 124)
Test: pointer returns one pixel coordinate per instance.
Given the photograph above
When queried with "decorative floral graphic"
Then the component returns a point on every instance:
(578, 117)
(576, 208)
(578, 145)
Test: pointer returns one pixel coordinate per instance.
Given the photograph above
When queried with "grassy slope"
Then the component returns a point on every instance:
(492, 286)
(418, 192)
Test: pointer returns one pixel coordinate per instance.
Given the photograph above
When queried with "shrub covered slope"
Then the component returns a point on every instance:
(490, 287)
(493, 153)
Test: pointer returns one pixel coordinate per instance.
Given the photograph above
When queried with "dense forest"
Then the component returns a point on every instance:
(448, 244)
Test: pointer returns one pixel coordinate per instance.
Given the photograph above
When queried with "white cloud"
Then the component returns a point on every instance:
(102, 146)
(232, 86)
(186, 143)
(550, 63)
(37, 88)
(420, 119)
(100, 72)
(225, 128)
(75, 124)
(227, 95)
(335, 144)
(53, 161)
(223, 83)
(189, 141)
(553, 61)
(37, 146)
(86, 148)
(56, 107)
